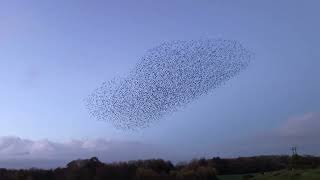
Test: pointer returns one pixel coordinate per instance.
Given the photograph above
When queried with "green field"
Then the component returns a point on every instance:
(230, 177)
(312, 174)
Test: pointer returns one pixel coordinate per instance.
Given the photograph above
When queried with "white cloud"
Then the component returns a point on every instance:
(301, 131)
(307, 125)
(17, 152)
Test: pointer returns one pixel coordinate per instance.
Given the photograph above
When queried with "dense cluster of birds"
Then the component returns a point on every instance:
(168, 77)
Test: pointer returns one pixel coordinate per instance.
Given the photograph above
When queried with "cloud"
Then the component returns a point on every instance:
(301, 131)
(16, 152)
(307, 126)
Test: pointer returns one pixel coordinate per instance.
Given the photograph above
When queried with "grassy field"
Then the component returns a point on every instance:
(230, 177)
(312, 174)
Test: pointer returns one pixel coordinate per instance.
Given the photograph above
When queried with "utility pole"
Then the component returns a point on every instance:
(293, 157)
(294, 151)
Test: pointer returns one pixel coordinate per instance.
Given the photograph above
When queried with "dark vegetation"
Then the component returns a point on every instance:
(200, 169)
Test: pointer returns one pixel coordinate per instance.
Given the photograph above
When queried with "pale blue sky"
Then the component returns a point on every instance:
(54, 53)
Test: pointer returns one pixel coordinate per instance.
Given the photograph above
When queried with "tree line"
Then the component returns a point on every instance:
(158, 169)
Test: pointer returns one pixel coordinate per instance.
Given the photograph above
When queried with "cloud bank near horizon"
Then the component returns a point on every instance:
(16, 152)
(302, 131)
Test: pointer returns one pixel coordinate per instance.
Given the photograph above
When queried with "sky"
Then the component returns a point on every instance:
(53, 54)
